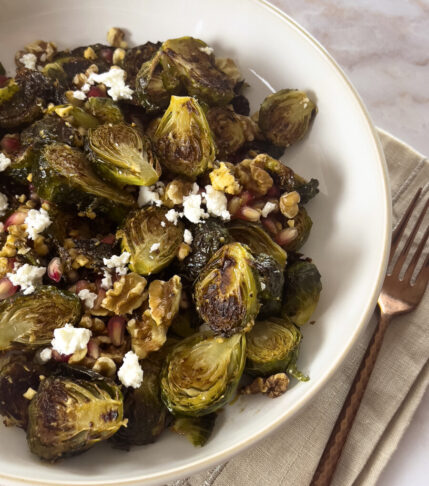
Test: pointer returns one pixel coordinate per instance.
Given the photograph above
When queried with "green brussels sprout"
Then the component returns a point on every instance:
(271, 346)
(141, 230)
(284, 117)
(201, 373)
(302, 291)
(258, 240)
(226, 292)
(185, 323)
(92, 249)
(271, 281)
(303, 224)
(104, 109)
(21, 165)
(8, 90)
(2, 70)
(74, 115)
(135, 57)
(183, 139)
(65, 177)
(50, 129)
(196, 429)
(31, 319)
(186, 65)
(68, 416)
(121, 155)
(208, 237)
(17, 374)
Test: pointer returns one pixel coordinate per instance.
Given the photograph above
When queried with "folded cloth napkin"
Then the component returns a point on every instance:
(290, 455)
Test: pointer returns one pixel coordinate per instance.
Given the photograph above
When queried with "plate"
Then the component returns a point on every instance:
(351, 232)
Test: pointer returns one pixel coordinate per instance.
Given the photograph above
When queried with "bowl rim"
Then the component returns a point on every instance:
(223, 456)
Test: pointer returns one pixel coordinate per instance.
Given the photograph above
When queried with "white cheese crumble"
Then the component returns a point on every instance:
(268, 208)
(187, 237)
(216, 203)
(148, 195)
(79, 95)
(192, 209)
(29, 60)
(131, 373)
(118, 262)
(208, 50)
(115, 80)
(4, 204)
(45, 355)
(27, 277)
(68, 339)
(88, 298)
(37, 222)
(162, 224)
(106, 281)
(154, 247)
(173, 216)
(4, 162)
(263, 286)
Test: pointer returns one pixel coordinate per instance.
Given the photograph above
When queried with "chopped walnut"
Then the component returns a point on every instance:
(105, 366)
(4, 266)
(89, 53)
(184, 251)
(40, 247)
(146, 335)
(176, 190)
(289, 204)
(44, 52)
(96, 325)
(164, 300)
(115, 37)
(252, 175)
(126, 295)
(78, 356)
(118, 55)
(222, 179)
(272, 386)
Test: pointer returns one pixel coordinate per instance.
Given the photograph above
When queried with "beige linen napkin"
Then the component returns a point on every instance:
(290, 455)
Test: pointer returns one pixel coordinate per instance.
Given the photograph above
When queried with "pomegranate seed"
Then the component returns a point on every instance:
(246, 197)
(3, 80)
(7, 289)
(10, 143)
(95, 92)
(82, 285)
(249, 214)
(116, 329)
(101, 294)
(109, 239)
(107, 54)
(273, 191)
(55, 269)
(93, 349)
(18, 217)
(286, 236)
(62, 358)
(270, 225)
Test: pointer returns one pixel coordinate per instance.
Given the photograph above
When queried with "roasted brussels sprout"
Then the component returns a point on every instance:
(21, 165)
(271, 281)
(183, 139)
(8, 90)
(258, 240)
(50, 129)
(31, 319)
(196, 429)
(302, 291)
(302, 226)
(271, 346)
(208, 237)
(121, 155)
(135, 57)
(18, 374)
(141, 230)
(68, 416)
(74, 115)
(226, 292)
(284, 117)
(201, 373)
(104, 109)
(185, 323)
(65, 177)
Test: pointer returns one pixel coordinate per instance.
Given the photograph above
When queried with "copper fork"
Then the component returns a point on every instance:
(398, 296)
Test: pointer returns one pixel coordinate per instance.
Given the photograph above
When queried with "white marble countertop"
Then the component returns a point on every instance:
(383, 47)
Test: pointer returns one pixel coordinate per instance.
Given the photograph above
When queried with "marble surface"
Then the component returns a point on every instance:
(383, 47)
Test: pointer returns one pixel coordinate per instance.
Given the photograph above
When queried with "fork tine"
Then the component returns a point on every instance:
(403, 255)
(396, 235)
(422, 278)
(413, 263)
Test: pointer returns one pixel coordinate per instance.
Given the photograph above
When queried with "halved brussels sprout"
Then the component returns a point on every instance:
(74, 115)
(284, 117)
(183, 139)
(68, 416)
(258, 240)
(196, 429)
(302, 291)
(8, 90)
(50, 129)
(226, 292)
(135, 57)
(201, 373)
(121, 155)
(271, 346)
(302, 225)
(271, 281)
(104, 109)
(141, 230)
(65, 177)
(31, 319)
(21, 165)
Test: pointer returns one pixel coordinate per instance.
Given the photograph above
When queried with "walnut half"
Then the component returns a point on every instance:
(126, 295)
(272, 386)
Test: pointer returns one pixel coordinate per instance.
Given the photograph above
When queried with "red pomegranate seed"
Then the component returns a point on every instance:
(10, 143)
(107, 54)
(3, 80)
(93, 349)
(82, 285)
(270, 225)
(95, 92)
(286, 236)
(18, 217)
(7, 289)
(274, 192)
(100, 297)
(246, 197)
(55, 269)
(109, 239)
(249, 214)
(116, 329)
(62, 358)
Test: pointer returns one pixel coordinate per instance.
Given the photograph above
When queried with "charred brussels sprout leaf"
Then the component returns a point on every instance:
(183, 139)
(135, 57)
(141, 230)
(226, 292)
(48, 130)
(284, 117)
(74, 115)
(271, 281)
(196, 429)
(8, 90)
(31, 319)
(121, 155)
(258, 240)
(302, 291)
(303, 224)
(271, 346)
(104, 109)
(21, 165)
(201, 374)
(70, 416)
(65, 177)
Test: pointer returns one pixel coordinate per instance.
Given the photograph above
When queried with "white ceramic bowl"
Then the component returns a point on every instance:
(350, 236)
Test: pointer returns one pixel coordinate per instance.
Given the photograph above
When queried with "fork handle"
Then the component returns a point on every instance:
(329, 460)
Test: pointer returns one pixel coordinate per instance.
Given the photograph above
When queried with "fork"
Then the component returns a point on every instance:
(398, 296)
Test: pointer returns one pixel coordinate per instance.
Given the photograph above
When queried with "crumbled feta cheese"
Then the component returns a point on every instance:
(216, 203)
(187, 237)
(162, 224)
(192, 208)
(154, 247)
(118, 262)
(208, 50)
(4, 204)
(268, 208)
(195, 188)
(88, 298)
(173, 216)
(263, 286)
(86, 87)
(29, 60)
(131, 373)
(115, 80)
(106, 281)
(37, 222)
(27, 277)
(45, 355)
(79, 95)
(4, 162)
(68, 339)
(148, 195)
